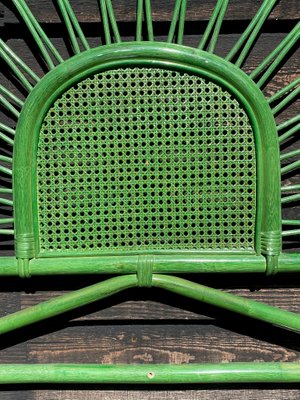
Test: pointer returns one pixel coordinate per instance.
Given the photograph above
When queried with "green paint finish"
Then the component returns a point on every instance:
(79, 298)
(238, 372)
(145, 56)
(146, 159)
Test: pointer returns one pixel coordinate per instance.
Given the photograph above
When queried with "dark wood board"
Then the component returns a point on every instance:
(87, 11)
(143, 326)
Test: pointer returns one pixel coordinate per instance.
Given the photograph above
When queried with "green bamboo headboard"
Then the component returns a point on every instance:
(146, 160)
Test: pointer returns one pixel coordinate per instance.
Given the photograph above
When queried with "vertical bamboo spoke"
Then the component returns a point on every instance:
(43, 42)
(109, 22)
(249, 36)
(178, 18)
(11, 96)
(273, 60)
(286, 101)
(212, 30)
(73, 26)
(144, 7)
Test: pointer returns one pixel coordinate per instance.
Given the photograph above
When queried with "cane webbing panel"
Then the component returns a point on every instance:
(146, 159)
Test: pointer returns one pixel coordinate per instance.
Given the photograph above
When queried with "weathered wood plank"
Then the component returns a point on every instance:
(87, 11)
(206, 393)
(175, 307)
(176, 343)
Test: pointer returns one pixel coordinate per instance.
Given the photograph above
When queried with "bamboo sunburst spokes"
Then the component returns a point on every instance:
(262, 74)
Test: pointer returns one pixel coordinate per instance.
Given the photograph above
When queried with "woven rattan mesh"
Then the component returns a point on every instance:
(146, 159)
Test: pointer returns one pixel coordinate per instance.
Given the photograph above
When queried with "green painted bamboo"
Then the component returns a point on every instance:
(290, 167)
(139, 20)
(38, 34)
(69, 26)
(148, 12)
(6, 231)
(177, 18)
(288, 262)
(288, 123)
(113, 22)
(179, 264)
(7, 129)
(164, 263)
(228, 301)
(34, 29)
(290, 222)
(5, 103)
(291, 232)
(290, 188)
(148, 18)
(259, 21)
(105, 22)
(290, 154)
(6, 138)
(151, 54)
(6, 221)
(263, 372)
(211, 24)
(5, 170)
(290, 199)
(19, 61)
(6, 159)
(4, 190)
(70, 301)
(286, 101)
(66, 302)
(19, 75)
(217, 27)
(6, 202)
(181, 22)
(250, 34)
(289, 133)
(76, 25)
(276, 56)
(109, 21)
(10, 95)
(282, 92)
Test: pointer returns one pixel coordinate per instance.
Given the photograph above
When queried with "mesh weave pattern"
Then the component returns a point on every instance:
(146, 159)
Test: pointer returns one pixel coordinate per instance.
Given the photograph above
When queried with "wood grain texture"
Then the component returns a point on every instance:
(143, 326)
(87, 11)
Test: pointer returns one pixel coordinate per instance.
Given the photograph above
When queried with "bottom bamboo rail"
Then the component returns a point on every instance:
(150, 374)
